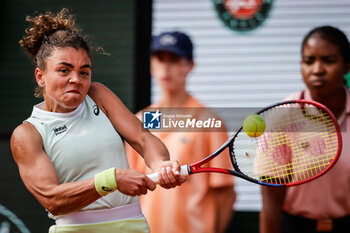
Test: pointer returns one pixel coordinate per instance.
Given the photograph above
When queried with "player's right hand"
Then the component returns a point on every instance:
(133, 183)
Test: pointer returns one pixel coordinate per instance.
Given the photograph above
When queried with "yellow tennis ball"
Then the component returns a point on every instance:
(254, 125)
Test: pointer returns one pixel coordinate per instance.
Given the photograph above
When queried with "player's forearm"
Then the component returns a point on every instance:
(154, 152)
(224, 200)
(271, 213)
(68, 197)
(270, 222)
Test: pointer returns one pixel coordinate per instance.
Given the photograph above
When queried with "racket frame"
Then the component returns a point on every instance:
(196, 167)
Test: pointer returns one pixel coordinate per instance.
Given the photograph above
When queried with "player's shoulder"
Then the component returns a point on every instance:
(24, 135)
(97, 86)
(294, 96)
(24, 130)
(194, 102)
(96, 90)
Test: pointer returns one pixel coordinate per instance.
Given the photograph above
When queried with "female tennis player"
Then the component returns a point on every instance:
(69, 152)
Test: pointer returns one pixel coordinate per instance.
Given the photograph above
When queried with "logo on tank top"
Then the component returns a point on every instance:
(60, 130)
(243, 15)
(96, 110)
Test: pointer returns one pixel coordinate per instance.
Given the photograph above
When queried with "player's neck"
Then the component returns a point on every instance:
(174, 99)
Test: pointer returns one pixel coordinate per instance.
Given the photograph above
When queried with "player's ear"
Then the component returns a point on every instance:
(152, 58)
(347, 67)
(39, 77)
(191, 65)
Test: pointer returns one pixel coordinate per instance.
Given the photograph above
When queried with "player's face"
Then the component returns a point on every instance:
(66, 79)
(323, 67)
(170, 70)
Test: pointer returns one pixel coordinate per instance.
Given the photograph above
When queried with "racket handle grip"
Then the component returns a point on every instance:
(183, 172)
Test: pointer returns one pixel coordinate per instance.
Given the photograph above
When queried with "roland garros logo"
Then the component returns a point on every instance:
(243, 15)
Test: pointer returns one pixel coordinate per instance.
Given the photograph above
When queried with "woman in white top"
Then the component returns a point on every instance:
(69, 152)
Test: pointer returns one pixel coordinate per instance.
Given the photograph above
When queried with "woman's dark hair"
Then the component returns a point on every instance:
(333, 35)
(47, 32)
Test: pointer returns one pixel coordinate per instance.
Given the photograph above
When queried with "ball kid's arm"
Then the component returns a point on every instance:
(271, 213)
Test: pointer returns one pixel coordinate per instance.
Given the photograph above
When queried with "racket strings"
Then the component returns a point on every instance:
(303, 173)
(299, 143)
(312, 163)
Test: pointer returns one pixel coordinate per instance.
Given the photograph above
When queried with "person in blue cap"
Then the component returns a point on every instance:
(203, 204)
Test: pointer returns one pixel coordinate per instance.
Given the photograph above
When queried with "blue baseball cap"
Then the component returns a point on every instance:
(174, 42)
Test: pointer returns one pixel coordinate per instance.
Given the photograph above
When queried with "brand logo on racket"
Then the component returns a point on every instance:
(243, 15)
(152, 119)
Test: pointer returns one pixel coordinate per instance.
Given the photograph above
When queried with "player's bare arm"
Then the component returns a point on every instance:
(271, 214)
(40, 177)
(146, 144)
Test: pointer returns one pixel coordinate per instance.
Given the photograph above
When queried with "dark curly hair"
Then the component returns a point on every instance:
(47, 32)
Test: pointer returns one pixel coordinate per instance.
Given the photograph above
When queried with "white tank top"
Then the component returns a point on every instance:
(80, 144)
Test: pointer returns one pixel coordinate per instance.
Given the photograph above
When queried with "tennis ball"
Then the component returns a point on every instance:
(254, 125)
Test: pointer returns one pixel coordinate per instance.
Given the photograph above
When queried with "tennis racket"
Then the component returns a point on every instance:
(301, 142)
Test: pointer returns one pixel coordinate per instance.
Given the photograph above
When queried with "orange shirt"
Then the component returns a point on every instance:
(329, 195)
(190, 207)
